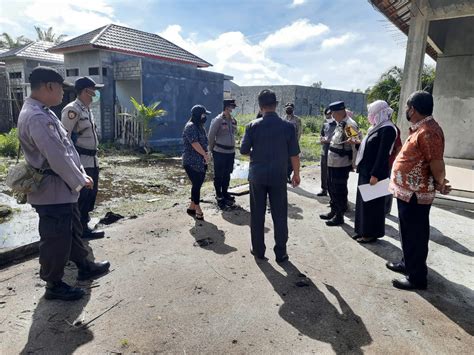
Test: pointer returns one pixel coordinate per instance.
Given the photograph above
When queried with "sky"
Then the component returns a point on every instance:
(345, 44)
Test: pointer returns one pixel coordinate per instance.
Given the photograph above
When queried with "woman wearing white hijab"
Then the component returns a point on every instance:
(373, 166)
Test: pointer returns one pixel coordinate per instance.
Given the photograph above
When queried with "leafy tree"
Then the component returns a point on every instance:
(388, 86)
(8, 42)
(48, 35)
(318, 84)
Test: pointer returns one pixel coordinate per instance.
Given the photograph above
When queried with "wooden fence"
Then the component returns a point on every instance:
(128, 130)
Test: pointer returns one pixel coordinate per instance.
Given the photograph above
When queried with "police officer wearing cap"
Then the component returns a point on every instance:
(48, 149)
(79, 122)
(270, 142)
(296, 121)
(341, 154)
(222, 145)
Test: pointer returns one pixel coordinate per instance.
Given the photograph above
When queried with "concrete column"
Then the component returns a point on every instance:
(414, 58)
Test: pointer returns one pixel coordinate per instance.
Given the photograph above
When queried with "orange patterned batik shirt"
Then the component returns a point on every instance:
(411, 173)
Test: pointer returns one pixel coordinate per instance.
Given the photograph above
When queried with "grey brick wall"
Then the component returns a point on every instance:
(307, 100)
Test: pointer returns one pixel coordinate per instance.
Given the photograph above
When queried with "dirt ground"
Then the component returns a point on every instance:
(168, 294)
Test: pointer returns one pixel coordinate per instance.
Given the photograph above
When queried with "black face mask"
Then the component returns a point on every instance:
(203, 119)
(408, 116)
(289, 111)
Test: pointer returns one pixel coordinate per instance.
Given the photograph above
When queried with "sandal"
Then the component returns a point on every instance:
(365, 240)
(200, 216)
(191, 212)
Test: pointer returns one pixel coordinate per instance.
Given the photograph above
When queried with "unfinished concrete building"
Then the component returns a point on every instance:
(444, 29)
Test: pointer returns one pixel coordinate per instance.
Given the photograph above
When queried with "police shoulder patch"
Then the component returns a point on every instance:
(71, 114)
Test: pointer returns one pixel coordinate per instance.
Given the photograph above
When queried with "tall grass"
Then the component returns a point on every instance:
(9, 143)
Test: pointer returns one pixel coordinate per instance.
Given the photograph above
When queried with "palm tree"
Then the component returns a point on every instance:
(388, 87)
(7, 41)
(48, 35)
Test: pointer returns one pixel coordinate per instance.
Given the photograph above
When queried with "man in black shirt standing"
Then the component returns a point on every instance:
(270, 141)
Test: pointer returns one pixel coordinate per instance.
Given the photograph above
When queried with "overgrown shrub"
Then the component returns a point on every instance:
(312, 124)
(9, 143)
(363, 123)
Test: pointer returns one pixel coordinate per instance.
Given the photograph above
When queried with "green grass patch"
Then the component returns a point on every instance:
(9, 143)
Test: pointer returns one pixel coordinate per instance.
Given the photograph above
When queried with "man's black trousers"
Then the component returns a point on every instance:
(279, 209)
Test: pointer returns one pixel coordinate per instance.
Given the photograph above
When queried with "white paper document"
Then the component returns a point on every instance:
(371, 192)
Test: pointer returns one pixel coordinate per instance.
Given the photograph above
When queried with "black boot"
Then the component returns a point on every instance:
(90, 270)
(337, 220)
(329, 215)
(62, 291)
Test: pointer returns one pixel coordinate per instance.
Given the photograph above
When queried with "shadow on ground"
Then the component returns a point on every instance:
(456, 301)
(307, 309)
(57, 325)
(209, 237)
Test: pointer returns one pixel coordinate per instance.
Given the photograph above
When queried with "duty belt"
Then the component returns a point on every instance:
(47, 172)
(84, 151)
(222, 146)
(341, 152)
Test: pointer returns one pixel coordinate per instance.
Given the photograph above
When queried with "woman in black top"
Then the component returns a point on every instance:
(373, 166)
(195, 156)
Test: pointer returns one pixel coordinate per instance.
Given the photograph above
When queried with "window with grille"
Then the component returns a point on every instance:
(72, 72)
(15, 75)
(94, 71)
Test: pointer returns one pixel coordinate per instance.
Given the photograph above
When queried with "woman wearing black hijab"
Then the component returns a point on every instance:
(196, 156)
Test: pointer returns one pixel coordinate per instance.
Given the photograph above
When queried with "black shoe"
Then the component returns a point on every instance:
(329, 215)
(92, 233)
(405, 284)
(397, 267)
(62, 291)
(322, 193)
(337, 220)
(221, 202)
(227, 202)
(93, 270)
(258, 256)
(229, 197)
(282, 259)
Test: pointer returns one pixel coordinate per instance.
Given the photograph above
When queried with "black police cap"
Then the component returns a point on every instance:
(86, 82)
(230, 102)
(42, 74)
(290, 104)
(337, 106)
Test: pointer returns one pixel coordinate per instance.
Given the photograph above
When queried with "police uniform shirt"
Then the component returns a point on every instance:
(222, 133)
(327, 131)
(270, 141)
(335, 160)
(79, 122)
(296, 121)
(45, 144)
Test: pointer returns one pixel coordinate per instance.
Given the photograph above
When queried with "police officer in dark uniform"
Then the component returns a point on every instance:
(48, 149)
(270, 141)
(79, 122)
(341, 155)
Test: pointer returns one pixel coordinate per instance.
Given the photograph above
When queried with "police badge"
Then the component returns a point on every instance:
(72, 115)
